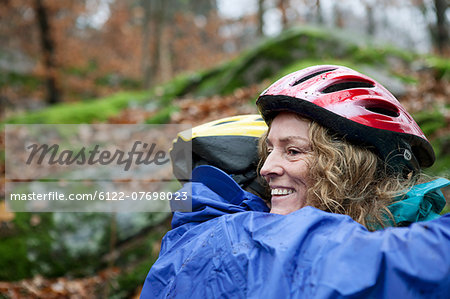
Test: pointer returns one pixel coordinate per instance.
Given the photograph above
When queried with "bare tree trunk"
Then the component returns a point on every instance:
(319, 12)
(282, 8)
(154, 10)
(338, 17)
(158, 16)
(48, 50)
(260, 17)
(370, 20)
(165, 55)
(146, 67)
(442, 34)
(112, 250)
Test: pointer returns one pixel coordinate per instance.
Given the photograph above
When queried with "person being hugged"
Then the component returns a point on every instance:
(349, 212)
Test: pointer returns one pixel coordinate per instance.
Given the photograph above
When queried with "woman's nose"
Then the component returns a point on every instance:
(272, 166)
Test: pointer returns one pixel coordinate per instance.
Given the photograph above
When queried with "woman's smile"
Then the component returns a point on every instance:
(281, 191)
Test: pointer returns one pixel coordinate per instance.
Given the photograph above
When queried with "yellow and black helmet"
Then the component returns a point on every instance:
(230, 144)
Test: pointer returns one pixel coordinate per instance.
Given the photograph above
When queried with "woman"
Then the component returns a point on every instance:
(362, 150)
(338, 142)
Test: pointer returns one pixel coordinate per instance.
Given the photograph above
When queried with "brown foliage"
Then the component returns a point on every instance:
(198, 111)
(62, 287)
(94, 61)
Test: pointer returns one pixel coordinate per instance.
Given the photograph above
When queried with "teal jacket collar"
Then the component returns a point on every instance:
(423, 202)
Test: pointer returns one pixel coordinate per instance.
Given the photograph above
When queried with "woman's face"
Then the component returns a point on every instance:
(286, 166)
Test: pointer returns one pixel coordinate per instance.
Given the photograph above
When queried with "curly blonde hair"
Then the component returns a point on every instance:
(349, 179)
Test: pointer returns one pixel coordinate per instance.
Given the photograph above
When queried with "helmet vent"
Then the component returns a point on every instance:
(388, 111)
(311, 76)
(347, 85)
(224, 122)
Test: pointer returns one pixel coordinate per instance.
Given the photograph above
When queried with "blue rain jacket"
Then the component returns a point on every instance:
(229, 246)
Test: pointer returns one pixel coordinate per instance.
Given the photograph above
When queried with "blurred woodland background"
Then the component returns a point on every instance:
(180, 61)
(63, 51)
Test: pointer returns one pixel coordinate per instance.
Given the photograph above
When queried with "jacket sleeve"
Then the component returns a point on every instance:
(410, 262)
(306, 254)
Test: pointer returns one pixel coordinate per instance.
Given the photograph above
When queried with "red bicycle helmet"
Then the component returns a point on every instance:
(356, 108)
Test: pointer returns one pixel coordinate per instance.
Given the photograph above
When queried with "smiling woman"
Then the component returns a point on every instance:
(365, 149)
(287, 162)
(326, 172)
(341, 159)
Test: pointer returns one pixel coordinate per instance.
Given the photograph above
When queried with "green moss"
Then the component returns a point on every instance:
(441, 65)
(292, 49)
(162, 116)
(295, 47)
(442, 165)
(2, 156)
(13, 251)
(26, 243)
(311, 62)
(26, 81)
(81, 112)
(82, 71)
(430, 120)
(43, 249)
(117, 80)
(135, 276)
(178, 86)
(261, 62)
(406, 79)
(379, 55)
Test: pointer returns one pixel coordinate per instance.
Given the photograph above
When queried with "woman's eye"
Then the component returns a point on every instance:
(296, 151)
(293, 152)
